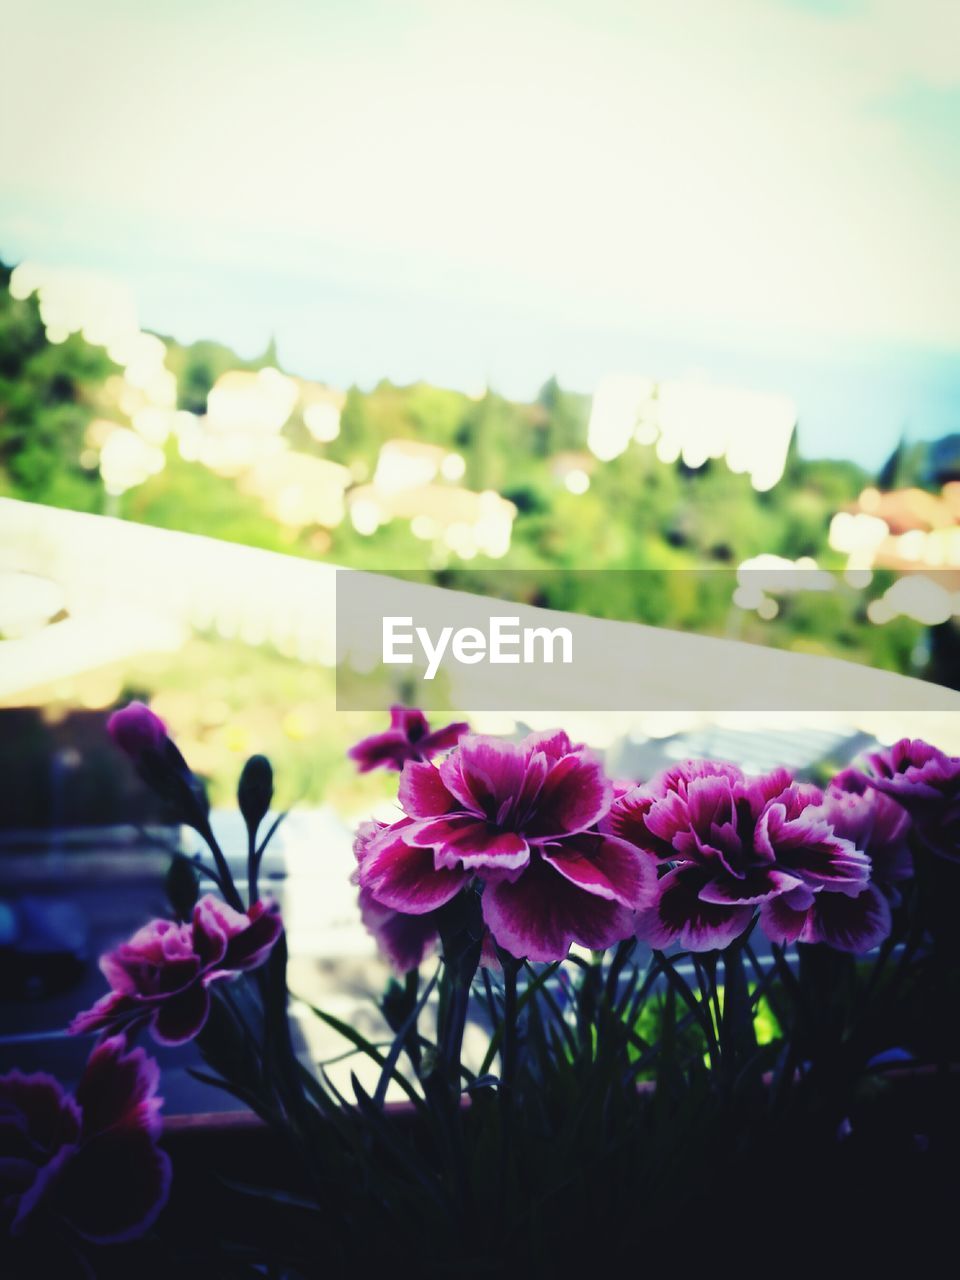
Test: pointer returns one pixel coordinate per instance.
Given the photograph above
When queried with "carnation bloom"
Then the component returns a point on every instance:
(408, 738)
(732, 843)
(926, 782)
(848, 920)
(522, 816)
(162, 976)
(88, 1161)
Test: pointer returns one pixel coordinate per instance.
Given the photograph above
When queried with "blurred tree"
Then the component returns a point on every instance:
(46, 393)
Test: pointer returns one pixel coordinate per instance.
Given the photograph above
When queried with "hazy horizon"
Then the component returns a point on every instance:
(764, 192)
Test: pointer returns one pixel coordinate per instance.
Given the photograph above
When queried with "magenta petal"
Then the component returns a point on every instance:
(465, 841)
(250, 948)
(850, 924)
(679, 914)
(214, 923)
(484, 771)
(403, 876)
(444, 739)
(422, 793)
(410, 722)
(782, 921)
(403, 939)
(119, 1086)
(112, 1010)
(668, 817)
(540, 915)
(389, 749)
(606, 866)
(627, 819)
(182, 1016)
(575, 795)
(756, 886)
(553, 743)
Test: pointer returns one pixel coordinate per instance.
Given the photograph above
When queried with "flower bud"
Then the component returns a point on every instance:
(255, 790)
(143, 738)
(136, 729)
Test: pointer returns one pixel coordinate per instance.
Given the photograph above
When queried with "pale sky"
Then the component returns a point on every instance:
(490, 190)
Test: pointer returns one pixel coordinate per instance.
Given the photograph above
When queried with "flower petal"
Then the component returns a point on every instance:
(575, 795)
(756, 886)
(181, 1017)
(113, 1010)
(465, 841)
(404, 939)
(849, 924)
(119, 1087)
(422, 793)
(404, 876)
(540, 915)
(783, 920)
(679, 914)
(249, 949)
(605, 866)
(484, 771)
(443, 739)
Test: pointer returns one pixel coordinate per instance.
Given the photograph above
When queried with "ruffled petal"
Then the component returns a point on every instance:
(119, 1087)
(849, 924)
(540, 915)
(181, 1017)
(422, 793)
(575, 795)
(679, 914)
(443, 739)
(110, 1012)
(250, 948)
(403, 876)
(783, 919)
(605, 866)
(756, 886)
(214, 924)
(484, 772)
(465, 841)
(403, 939)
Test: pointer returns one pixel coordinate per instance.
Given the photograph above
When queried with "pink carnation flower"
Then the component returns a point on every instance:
(408, 738)
(89, 1161)
(161, 977)
(523, 817)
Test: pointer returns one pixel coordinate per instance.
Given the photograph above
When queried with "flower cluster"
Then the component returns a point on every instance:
(87, 1162)
(522, 818)
(693, 856)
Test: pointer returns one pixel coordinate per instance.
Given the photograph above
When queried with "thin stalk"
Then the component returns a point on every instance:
(226, 879)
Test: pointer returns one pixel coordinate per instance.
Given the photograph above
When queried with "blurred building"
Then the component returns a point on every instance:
(454, 519)
(916, 534)
(411, 464)
(694, 422)
(299, 490)
(321, 408)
